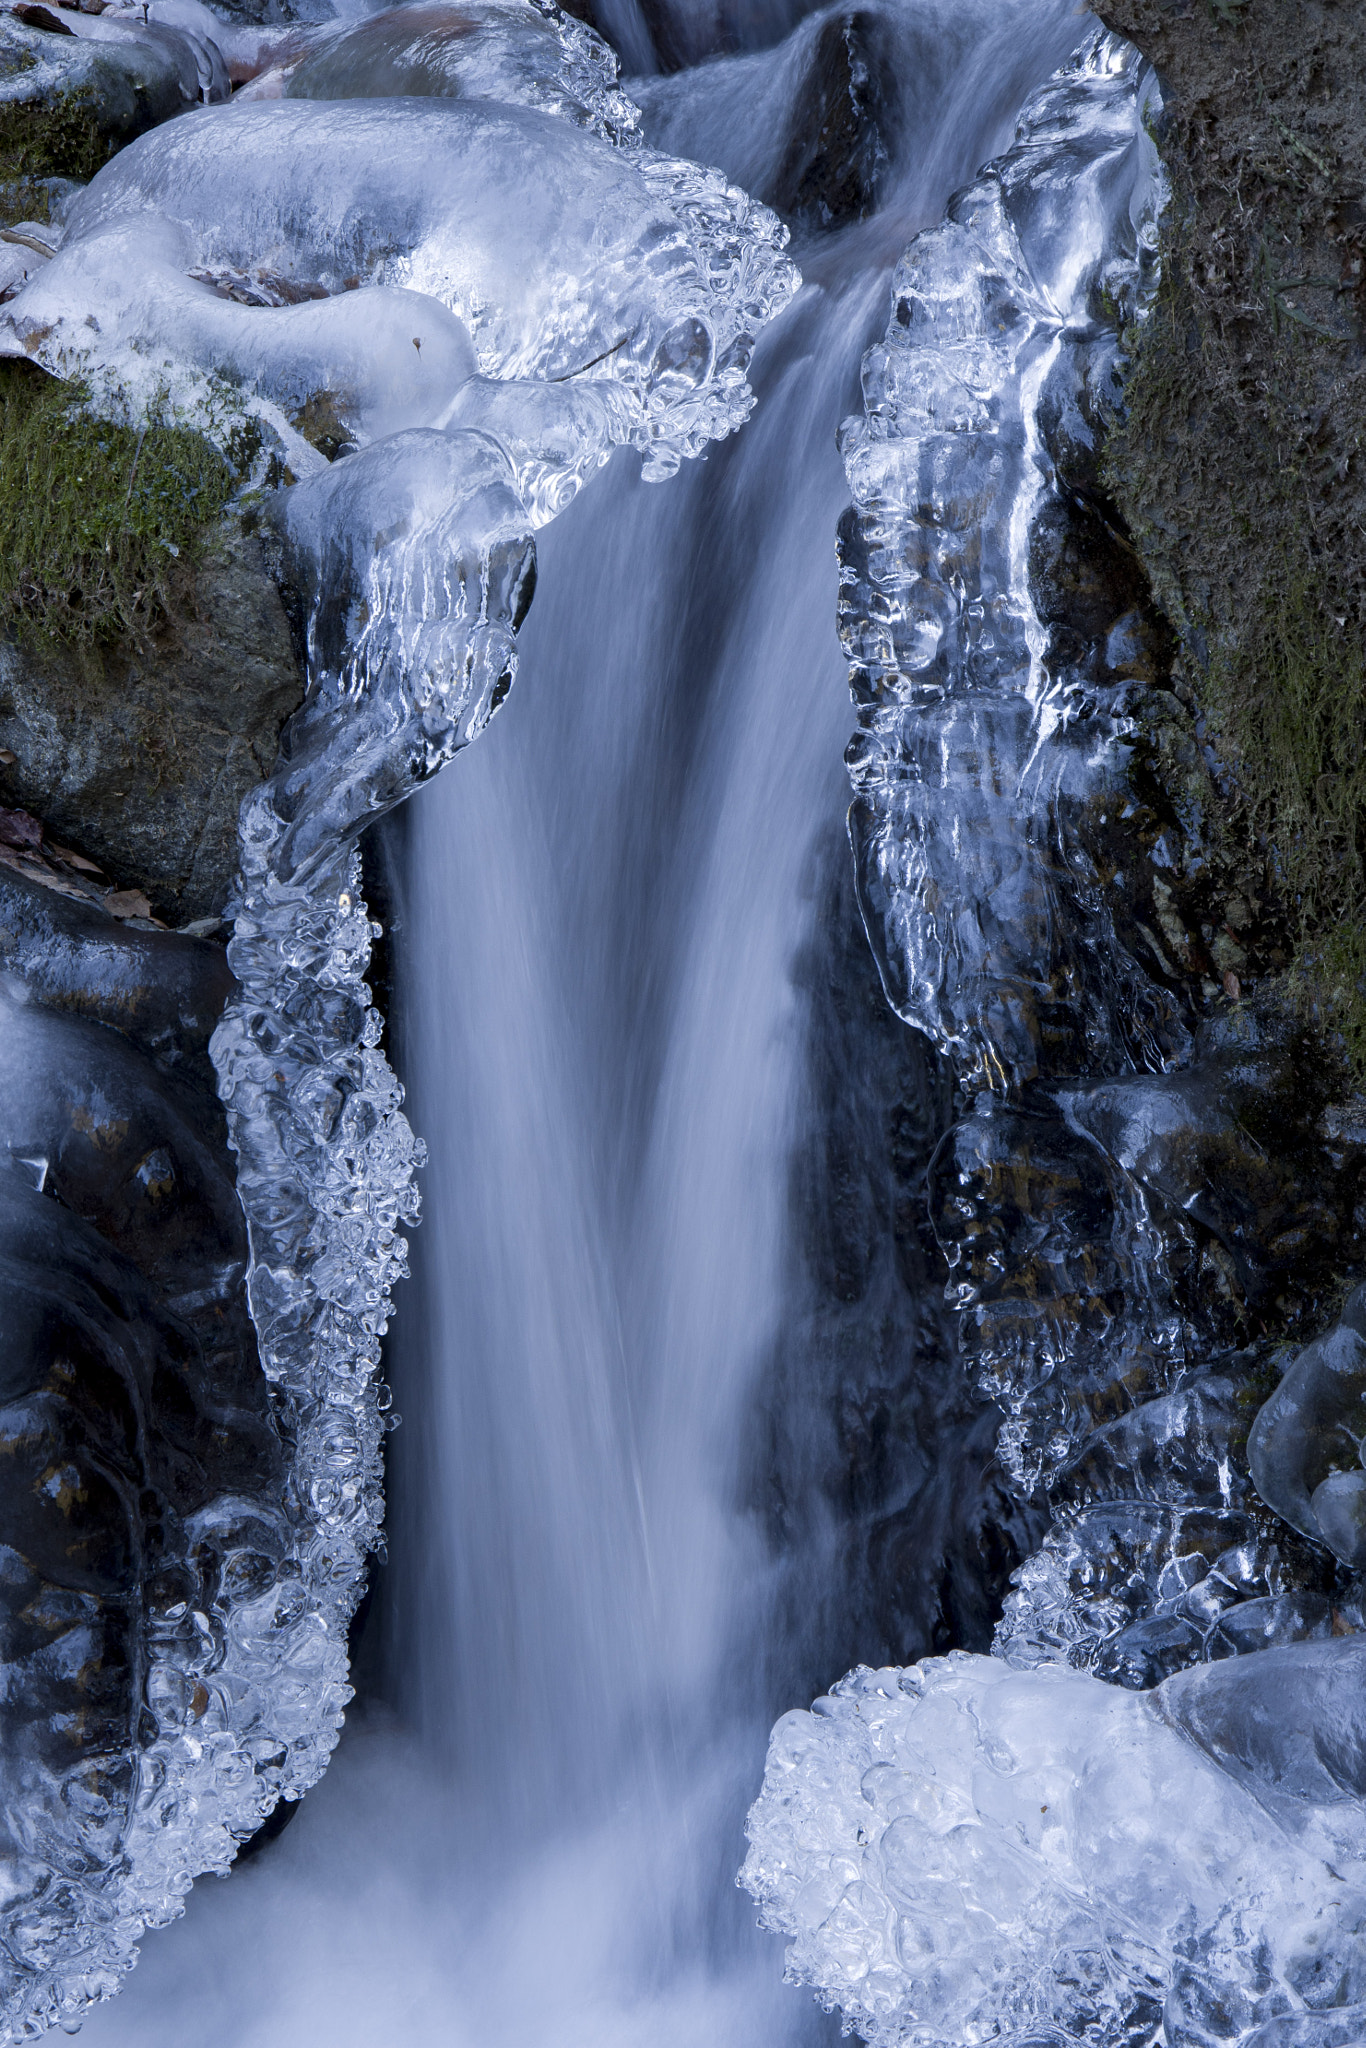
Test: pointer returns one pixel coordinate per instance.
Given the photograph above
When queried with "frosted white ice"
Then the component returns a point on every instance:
(962, 1853)
(563, 258)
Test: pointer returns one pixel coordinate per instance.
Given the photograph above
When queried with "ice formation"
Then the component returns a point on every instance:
(415, 325)
(557, 256)
(516, 53)
(962, 1853)
(1010, 1850)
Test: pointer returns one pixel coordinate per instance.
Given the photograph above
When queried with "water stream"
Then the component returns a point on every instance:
(530, 1831)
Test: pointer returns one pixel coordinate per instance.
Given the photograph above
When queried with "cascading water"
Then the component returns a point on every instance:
(604, 907)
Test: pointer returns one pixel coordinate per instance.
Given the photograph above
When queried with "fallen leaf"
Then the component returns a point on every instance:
(17, 828)
(73, 860)
(126, 903)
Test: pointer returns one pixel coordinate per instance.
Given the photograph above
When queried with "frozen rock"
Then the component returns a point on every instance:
(1305, 1446)
(74, 92)
(967, 1853)
(511, 51)
(1135, 1591)
(588, 261)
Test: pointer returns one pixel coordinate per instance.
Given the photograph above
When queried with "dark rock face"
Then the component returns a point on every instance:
(822, 116)
(141, 756)
(159, 990)
(879, 1483)
(1238, 472)
(835, 158)
(142, 1460)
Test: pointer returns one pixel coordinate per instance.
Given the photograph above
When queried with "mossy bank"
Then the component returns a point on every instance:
(146, 664)
(1240, 474)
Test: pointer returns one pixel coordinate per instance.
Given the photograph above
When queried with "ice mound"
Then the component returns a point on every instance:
(505, 50)
(562, 256)
(415, 322)
(963, 1853)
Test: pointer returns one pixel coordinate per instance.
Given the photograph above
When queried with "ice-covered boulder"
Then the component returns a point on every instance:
(562, 256)
(511, 51)
(966, 1853)
(76, 87)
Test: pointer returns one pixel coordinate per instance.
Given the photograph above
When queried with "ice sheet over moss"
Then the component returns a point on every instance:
(563, 258)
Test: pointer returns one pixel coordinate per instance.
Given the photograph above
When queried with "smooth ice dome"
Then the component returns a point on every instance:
(562, 256)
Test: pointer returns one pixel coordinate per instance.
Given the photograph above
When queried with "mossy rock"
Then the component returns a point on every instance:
(146, 664)
(67, 104)
(1239, 467)
(96, 520)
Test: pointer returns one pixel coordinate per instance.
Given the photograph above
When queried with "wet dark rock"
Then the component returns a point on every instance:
(833, 167)
(136, 1151)
(140, 756)
(143, 1461)
(1090, 591)
(882, 1496)
(162, 991)
(1304, 1449)
(821, 115)
(117, 1431)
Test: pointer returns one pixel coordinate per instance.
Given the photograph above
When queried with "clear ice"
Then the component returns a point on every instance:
(486, 287)
(1139, 1821)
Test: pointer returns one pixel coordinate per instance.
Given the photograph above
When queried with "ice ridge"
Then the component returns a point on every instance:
(1009, 1850)
(415, 323)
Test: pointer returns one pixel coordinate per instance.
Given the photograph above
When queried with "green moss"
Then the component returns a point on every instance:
(1289, 704)
(23, 199)
(61, 140)
(1272, 652)
(96, 521)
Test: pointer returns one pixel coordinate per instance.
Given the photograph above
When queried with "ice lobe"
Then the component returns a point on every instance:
(968, 911)
(513, 52)
(962, 1853)
(562, 257)
(415, 324)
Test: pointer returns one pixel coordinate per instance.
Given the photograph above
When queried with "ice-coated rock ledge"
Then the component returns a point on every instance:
(415, 325)
(1010, 1850)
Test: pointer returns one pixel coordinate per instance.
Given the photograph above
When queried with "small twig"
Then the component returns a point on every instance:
(606, 356)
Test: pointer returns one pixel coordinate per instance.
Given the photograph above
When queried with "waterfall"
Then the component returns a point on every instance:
(530, 1833)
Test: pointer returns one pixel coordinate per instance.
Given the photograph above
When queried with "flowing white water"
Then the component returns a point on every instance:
(602, 1040)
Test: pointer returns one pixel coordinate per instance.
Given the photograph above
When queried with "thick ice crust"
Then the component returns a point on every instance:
(964, 1853)
(416, 325)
